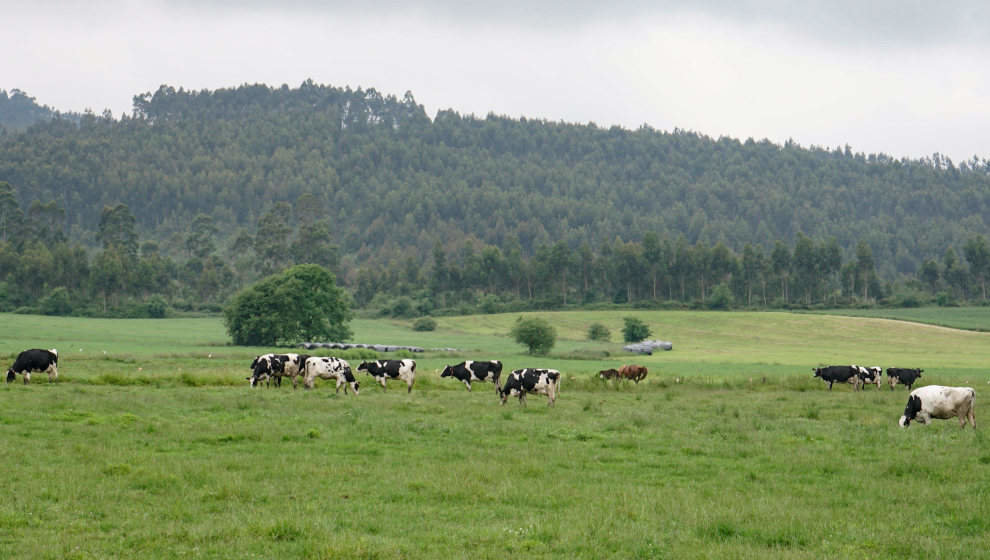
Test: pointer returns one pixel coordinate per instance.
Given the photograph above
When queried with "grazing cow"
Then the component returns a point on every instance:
(904, 376)
(469, 371)
(634, 372)
(936, 401)
(329, 368)
(867, 375)
(382, 370)
(841, 374)
(531, 380)
(607, 374)
(45, 361)
(278, 366)
(263, 369)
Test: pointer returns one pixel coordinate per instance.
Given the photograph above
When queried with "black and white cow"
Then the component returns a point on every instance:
(531, 380)
(382, 370)
(936, 401)
(263, 368)
(45, 361)
(469, 371)
(838, 374)
(904, 376)
(329, 368)
(278, 366)
(872, 375)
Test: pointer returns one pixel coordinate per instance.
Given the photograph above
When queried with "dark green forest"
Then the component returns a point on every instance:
(198, 193)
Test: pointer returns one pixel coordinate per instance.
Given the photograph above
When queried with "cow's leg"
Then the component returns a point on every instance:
(972, 416)
(467, 383)
(830, 385)
(410, 383)
(52, 373)
(27, 377)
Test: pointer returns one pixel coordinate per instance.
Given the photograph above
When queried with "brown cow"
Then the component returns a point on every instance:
(607, 374)
(632, 371)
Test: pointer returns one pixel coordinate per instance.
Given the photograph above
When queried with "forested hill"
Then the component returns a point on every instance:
(18, 110)
(393, 182)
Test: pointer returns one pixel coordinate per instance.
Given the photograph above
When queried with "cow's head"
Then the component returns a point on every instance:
(10, 376)
(911, 410)
(447, 371)
(818, 372)
(363, 366)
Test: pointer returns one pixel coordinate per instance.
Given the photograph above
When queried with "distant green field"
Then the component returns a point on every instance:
(972, 318)
(729, 448)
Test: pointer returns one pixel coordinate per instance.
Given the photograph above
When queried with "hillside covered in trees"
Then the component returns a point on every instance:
(249, 180)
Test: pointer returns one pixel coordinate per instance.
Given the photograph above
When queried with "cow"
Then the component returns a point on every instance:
(607, 374)
(841, 374)
(329, 368)
(382, 370)
(936, 401)
(634, 372)
(531, 380)
(904, 376)
(469, 371)
(263, 369)
(278, 366)
(35, 359)
(867, 375)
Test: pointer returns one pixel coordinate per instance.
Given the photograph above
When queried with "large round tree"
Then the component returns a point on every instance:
(300, 303)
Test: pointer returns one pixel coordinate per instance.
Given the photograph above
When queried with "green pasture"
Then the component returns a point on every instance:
(729, 449)
(972, 318)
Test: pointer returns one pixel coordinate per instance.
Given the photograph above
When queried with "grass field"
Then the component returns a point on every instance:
(729, 449)
(971, 318)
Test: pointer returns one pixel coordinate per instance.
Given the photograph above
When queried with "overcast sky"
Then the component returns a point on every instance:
(905, 78)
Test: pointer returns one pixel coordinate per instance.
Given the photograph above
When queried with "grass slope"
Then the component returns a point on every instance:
(124, 458)
(971, 318)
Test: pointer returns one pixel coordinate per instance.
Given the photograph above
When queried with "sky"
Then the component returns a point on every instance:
(905, 78)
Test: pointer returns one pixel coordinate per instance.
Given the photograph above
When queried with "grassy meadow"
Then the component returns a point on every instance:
(972, 318)
(152, 445)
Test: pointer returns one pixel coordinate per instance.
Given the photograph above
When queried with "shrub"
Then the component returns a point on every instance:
(302, 302)
(721, 298)
(634, 330)
(156, 307)
(536, 334)
(598, 331)
(57, 302)
(424, 324)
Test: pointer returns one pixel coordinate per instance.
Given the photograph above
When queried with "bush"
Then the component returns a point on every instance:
(634, 330)
(490, 304)
(536, 334)
(301, 303)
(598, 331)
(57, 302)
(721, 298)
(424, 324)
(155, 307)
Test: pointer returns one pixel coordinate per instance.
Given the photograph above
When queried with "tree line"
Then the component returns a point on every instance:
(43, 270)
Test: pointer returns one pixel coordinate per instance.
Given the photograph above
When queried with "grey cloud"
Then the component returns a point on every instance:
(856, 22)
